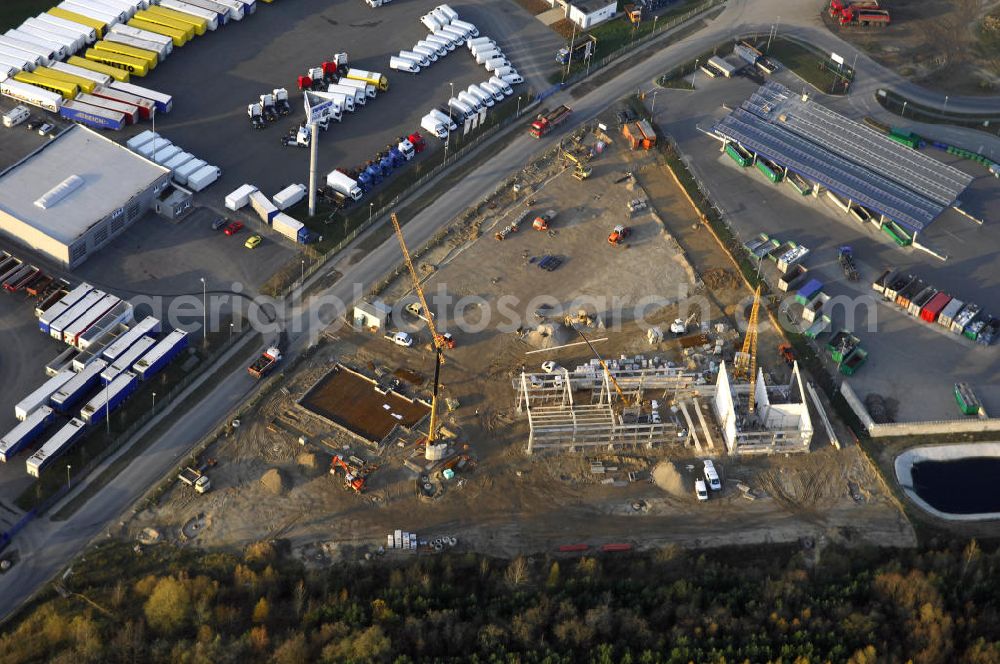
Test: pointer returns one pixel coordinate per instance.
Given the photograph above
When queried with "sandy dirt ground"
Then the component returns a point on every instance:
(506, 502)
(947, 46)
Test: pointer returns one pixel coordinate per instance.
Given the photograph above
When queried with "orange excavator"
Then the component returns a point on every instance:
(618, 235)
(355, 476)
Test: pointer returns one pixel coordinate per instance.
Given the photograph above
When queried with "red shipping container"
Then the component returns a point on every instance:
(933, 308)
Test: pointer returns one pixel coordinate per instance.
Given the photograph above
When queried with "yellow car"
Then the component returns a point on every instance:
(253, 241)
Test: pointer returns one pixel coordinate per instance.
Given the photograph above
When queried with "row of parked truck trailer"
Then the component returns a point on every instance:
(101, 381)
(76, 59)
(186, 170)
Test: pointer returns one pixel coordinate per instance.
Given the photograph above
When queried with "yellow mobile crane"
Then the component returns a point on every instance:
(582, 169)
(607, 371)
(440, 341)
(745, 362)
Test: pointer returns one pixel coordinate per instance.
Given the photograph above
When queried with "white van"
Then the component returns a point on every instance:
(496, 63)
(494, 90)
(443, 118)
(460, 34)
(421, 60)
(502, 84)
(513, 79)
(480, 94)
(15, 116)
(444, 42)
(439, 49)
(402, 64)
(476, 41)
(441, 16)
(462, 110)
(700, 491)
(485, 56)
(471, 101)
(431, 22)
(450, 37)
(470, 28)
(447, 11)
(427, 51)
(477, 49)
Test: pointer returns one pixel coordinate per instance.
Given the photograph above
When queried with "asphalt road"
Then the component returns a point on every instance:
(47, 546)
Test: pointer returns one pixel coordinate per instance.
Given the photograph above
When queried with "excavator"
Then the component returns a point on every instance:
(355, 476)
(582, 169)
(440, 341)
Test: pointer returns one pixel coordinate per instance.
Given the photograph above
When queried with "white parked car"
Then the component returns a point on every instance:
(549, 366)
(700, 491)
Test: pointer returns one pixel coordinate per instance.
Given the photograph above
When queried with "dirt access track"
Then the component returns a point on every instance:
(947, 46)
(507, 502)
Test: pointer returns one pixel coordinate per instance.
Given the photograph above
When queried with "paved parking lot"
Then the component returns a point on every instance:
(214, 77)
(909, 361)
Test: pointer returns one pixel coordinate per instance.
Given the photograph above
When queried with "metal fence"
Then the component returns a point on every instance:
(657, 30)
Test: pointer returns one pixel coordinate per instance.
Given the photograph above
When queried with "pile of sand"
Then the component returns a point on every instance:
(307, 460)
(666, 476)
(273, 481)
(548, 335)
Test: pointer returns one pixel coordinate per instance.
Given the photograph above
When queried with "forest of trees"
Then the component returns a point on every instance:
(765, 604)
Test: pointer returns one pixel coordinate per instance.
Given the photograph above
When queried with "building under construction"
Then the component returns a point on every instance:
(775, 421)
(640, 402)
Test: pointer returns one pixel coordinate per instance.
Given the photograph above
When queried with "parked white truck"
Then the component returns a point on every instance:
(339, 181)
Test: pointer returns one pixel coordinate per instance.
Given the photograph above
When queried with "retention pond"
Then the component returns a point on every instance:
(956, 482)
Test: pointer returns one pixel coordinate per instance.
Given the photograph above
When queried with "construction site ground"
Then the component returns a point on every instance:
(272, 476)
(947, 46)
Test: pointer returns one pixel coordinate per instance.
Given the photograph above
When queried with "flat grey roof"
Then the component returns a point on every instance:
(845, 156)
(111, 175)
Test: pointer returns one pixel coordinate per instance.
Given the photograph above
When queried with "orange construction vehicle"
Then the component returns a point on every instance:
(618, 235)
(542, 222)
(355, 475)
(634, 13)
(787, 353)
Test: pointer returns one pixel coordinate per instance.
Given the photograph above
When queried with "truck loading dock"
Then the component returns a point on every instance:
(75, 194)
(350, 401)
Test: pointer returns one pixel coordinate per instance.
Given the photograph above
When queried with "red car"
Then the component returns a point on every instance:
(233, 228)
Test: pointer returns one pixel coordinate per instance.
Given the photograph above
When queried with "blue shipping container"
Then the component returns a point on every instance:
(108, 400)
(91, 116)
(809, 291)
(24, 433)
(161, 354)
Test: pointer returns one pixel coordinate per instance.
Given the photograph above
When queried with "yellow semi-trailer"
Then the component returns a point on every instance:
(159, 19)
(100, 68)
(86, 21)
(84, 84)
(179, 36)
(67, 90)
(133, 66)
(199, 24)
(149, 57)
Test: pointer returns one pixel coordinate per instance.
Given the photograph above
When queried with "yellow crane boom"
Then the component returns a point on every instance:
(437, 340)
(745, 362)
(607, 371)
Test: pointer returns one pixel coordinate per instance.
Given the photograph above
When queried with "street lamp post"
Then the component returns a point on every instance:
(447, 141)
(230, 333)
(69, 478)
(695, 72)
(518, 106)
(655, 19)
(945, 105)
(903, 113)
(371, 211)
(154, 402)
(302, 278)
(652, 108)
(204, 309)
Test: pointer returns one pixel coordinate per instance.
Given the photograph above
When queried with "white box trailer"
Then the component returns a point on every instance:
(148, 326)
(122, 13)
(57, 309)
(68, 43)
(240, 197)
(59, 325)
(40, 397)
(24, 433)
(211, 18)
(163, 156)
(31, 58)
(88, 33)
(182, 173)
(95, 76)
(57, 51)
(8, 69)
(71, 335)
(121, 313)
(161, 50)
(44, 55)
(78, 35)
(289, 196)
(152, 148)
(339, 181)
(237, 10)
(263, 206)
(89, 9)
(434, 126)
(360, 97)
(178, 160)
(140, 139)
(223, 12)
(289, 227)
(203, 177)
(55, 446)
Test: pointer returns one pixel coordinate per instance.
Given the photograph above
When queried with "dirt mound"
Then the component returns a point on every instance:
(548, 335)
(306, 460)
(666, 476)
(274, 481)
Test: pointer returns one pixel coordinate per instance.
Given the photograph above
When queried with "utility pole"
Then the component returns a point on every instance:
(313, 156)
(569, 60)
